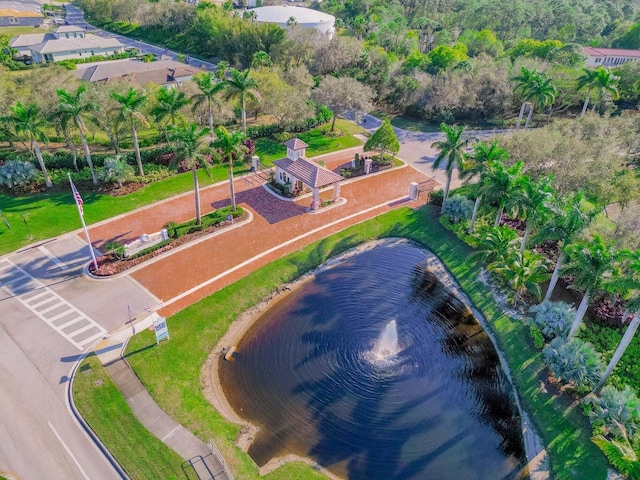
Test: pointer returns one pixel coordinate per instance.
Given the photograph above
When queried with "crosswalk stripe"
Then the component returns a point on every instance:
(26, 299)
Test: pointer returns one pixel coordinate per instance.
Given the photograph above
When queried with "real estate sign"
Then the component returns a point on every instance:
(161, 329)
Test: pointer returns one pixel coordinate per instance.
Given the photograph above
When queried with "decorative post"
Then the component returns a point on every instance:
(367, 165)
(315, 204)
(336, 191)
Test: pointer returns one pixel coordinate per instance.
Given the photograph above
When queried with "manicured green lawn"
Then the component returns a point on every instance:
(171, 371)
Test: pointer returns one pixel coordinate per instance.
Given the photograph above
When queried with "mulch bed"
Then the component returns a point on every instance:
(109, 264)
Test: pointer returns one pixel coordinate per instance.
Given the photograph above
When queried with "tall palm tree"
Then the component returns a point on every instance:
(503, 185)
(221, 70)
(524, 271)
(588, 80)
(532, 203)
(169, 102)
(535, 87)
(523, 82)
(209, 87)
(243, 87)
(190, 139)
(605, 83)
(476, 165)
(73, 108)
(451, 151)
(130, 105)
(590, 263)
(229, 146)
(26, 124)
(568, 220)
(629, 280)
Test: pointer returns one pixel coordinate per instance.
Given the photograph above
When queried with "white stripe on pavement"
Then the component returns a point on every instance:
(53, 258)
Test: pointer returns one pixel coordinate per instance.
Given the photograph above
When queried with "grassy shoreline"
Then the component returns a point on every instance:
(172, 371)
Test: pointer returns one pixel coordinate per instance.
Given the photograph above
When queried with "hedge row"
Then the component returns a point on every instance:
(213, 218)
(260, 131)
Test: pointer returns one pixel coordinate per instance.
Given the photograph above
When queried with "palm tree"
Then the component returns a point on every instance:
(629, 280)
(497, 244)
(568, 220)
(72, 108)
(221, 70)
(587, 79)
(524, 271)
(130, 105)
(169, 102)
(605, 82)
(477, 165)
(537, 88)
(451, 151)
(242, 87)
(503, 185)
(523, 81)
(229, 146)
(25, 122)
(209, 87)
(189, 140)
(532, 203)
(589, 263)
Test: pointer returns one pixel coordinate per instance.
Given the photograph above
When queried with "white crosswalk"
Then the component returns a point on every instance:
(55, 311)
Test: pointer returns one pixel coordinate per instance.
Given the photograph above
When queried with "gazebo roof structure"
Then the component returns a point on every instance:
(295, 144)
(308, 172)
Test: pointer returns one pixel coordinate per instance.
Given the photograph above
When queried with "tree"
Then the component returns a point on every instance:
(524, 270)
(27, 125)
(532, 203)
(383, 140)
(209, 88)
(72, 107)
(497, 244)
(130, 105)
(589, 263)
(476, 165)
(169, 102)
(343, 94)
(606, 84)
(503, 185)
(189, 139)
(523, 82)
(451, 151)
(588, 80)
(536, 88)
(229, 146)
(243, 87)
(568, 220)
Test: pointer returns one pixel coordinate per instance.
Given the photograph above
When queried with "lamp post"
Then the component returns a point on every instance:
(24, 219)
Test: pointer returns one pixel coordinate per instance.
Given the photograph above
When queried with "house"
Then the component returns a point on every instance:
(609, 57)
(63, 43)
(23, 13)
(299, 173)
(167, 73)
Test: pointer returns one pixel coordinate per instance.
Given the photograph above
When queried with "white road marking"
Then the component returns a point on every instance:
(44, 305)
(53, 258)
(171, 433)
(68, 451)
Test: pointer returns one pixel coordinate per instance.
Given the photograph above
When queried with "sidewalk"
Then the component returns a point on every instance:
(206, 464)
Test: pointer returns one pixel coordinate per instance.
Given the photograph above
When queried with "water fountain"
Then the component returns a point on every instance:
(330, 378)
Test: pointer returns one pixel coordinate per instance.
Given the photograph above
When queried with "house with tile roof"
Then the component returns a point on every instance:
(23, 13)
(64, 43)
(609, 57)
(167, 73)
(298, 173)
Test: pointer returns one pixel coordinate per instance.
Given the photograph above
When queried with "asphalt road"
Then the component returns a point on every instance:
(75, 16)
(50, 314)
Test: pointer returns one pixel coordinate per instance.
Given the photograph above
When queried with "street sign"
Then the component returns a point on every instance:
(161, 329)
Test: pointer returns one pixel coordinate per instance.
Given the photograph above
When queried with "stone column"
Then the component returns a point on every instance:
(315, 204)
(336, 191)
(367, 165)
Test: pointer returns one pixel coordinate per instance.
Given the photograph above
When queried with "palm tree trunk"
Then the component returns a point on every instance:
(499, 214)
(476, 207)
(231, 187)
(136, 147)
(520, 115)
(244, 118)
(333, 123)
(527, 230)
(624, 343)
(47, 178)
(554, 277)
(196, 191)
(212, 133)
(582, 309)
(586, 103)
(526, 124)
(87, 155)
(447, 185)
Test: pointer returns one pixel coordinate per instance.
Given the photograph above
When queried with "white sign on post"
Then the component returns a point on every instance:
(161, 329)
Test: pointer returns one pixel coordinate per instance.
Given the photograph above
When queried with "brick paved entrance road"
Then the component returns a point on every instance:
(278, 227)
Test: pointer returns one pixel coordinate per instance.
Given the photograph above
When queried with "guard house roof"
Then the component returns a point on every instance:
(295, 144)
(306, 171)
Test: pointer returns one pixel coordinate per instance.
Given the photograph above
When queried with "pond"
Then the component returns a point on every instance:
(376, 370)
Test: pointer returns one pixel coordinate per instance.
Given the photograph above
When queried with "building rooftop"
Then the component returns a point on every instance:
(161, 72)
(603, 52)
(308, 172)
(282, 13)
(295, 144)
(78, 43)
(68, 29)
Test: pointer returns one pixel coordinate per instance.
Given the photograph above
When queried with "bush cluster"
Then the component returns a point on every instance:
(176, 230)
(262, 131)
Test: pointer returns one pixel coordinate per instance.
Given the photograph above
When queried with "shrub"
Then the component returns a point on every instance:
(616, 409)
(114, 247)
(574, 362)
(16, 173)
(457, 208)
(622, 453)
(436, 197)
(536, 336)
(116, 170)
(553, 318)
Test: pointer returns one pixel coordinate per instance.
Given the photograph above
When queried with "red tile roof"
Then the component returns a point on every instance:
(295, 144)
(603, 52)
(310, 173)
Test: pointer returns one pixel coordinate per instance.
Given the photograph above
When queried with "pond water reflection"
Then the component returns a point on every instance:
(310, 373)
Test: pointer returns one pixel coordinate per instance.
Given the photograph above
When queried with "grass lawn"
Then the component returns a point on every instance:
(414, 124)
(171, 371)
(13, 31)
(269, 150)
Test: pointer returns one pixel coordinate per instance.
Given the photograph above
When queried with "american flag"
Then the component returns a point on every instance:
(77, 197)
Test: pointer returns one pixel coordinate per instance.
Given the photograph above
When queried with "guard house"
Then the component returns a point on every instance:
(300, 173)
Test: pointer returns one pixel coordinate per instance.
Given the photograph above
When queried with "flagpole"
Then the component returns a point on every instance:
(84, 226)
